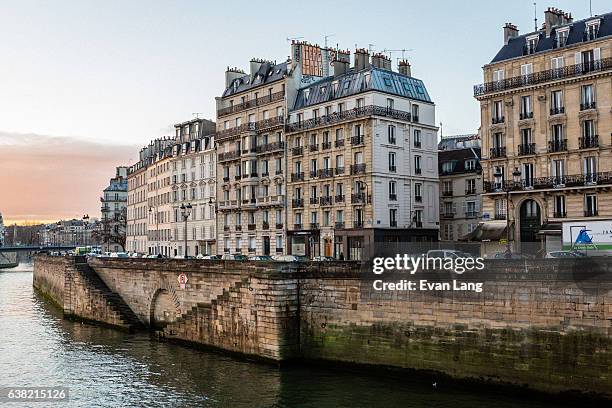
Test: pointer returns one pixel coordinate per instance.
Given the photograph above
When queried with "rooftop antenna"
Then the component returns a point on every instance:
(326, 37)
(591, 8)
(289, 39)
(535, 16)
(371, 48)
(197, 114)
(403, 51)
(441, 136)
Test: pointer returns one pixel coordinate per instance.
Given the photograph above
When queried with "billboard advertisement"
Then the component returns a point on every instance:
(588, 235)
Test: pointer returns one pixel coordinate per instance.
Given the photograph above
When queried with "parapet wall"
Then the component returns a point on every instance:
(543, 324)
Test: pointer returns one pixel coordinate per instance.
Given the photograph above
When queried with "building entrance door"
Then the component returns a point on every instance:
(530, 221)
(266, 245)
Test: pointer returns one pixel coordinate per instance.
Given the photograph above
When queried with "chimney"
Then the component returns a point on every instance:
(404, 68)
(254, 66)
(554, 17)
(231, 74)
(510, 31)
(381, 61)
(362, 59)
(340, 67)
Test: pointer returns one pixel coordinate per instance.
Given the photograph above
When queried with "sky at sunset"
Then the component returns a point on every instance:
(84, 84)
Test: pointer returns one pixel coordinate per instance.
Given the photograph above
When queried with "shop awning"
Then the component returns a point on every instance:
(553, 228)
(487, 231)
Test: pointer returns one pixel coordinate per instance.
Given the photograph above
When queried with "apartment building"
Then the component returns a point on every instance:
(362, 159)
(194, 188)
(461, 185)
(139, 212)
(2, 230)
(545, 115)
(113, 209)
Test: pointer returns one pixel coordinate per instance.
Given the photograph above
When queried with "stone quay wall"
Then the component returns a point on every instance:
(543, 324)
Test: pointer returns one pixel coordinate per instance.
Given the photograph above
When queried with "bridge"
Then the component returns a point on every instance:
(32, 248)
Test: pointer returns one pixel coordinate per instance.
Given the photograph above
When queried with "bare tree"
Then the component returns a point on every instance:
(113, 230)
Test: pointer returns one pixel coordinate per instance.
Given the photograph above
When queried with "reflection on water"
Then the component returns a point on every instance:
(104, 367)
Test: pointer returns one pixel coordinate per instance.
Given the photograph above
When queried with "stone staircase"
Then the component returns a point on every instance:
(112, 299)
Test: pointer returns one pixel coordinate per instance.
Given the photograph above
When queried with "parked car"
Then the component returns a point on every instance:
(565, 254)
(323, 258)
(234, 257)
(211, 257)
(119, 255)
(260, 258)
(290, 258)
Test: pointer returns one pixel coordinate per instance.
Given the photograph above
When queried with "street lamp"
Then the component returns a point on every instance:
(186, 212)
(516, 174)
(85, 223)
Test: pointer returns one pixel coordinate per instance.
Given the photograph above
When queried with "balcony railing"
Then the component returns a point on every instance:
(325, 200)
(357, 140)
(249, 104)
(339, 224)
(589, 142)
(497, 119)
(471, 214)
(229, 155)
(339, 170)
(526, 149)
(470, 191)
(588, 105)
(265, 225)
(448, 215)
(358, 168)
(365, 111)
(540, 183)
(270, 147)
(297, 203)
(314, 200)
(447, 193)
(392, 168)
(500, 216)
(297, 226)
(227, 133)
(326, 173)
(359, 198)
(392, 197)
(297, 151)
(543, 76)
(313, 147)
(525, 115)
(557, 145)
(279, 225)
(559, 214)
(358, 224)
(313, 174)
(251, 227)
(339, 143)
(314, 226)
(418, 199)
(497, 152)
(297, 177)
(339, 198)
(326, 145)
(557, 111)
(591, 213)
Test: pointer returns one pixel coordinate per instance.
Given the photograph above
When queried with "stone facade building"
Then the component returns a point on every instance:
(460, 185)
(194, 184)
(362, 159)
(546, 125)
(2, 230)
(114, 208)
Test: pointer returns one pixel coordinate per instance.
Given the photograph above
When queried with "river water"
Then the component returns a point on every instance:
(106, 368)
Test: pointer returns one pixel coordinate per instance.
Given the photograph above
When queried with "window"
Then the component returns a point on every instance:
(498, 75)
(417, 138)
(417, 192)
(447, 166)
(556, 101)
(392, 191)
(592, 30)
(561, 37)
(526, 111)
(498, 112)
(391, 134)
(558, 172)
(590, 205)
(590, 168)
(500, 209)
(417, 164)
(326, 218)
(392, 166)
(559, 210)
(470, 164)
(393, 217)
(470, 186)
(360, 103)
(557, 133)
(279, 242)
(528, 174)
(526, 71)
(532, 43)
(415, 113)
(587, 97)
(390, 103)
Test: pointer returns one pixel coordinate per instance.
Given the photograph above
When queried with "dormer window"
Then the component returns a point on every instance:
(532, 44)
(562, 34)
(592, 29)
(447, 167)
(306, 93)
(470, 164)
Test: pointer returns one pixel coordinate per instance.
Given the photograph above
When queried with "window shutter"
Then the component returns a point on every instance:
(596, 54)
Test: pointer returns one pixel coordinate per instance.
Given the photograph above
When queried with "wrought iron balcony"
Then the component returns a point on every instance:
(497, 119)
(327, 200)
(314, 200)
(392, 169)
(326, 145)
(417, 145)
(297, 177)
(326, 173)
(339, 198)
(265, 226)
(226, 179)
(559, 145)
(357, 140)
(359, 198)
(297, 226)
(314, 226)
(250, 104)
(500, 216)
(339, 225)
(365, 111)
(526, 149)
(589, 142)
(525, 115)
(251, 227)
(358, 168)
(559, 214)
(470, 191)
(297, 151)
(497, 152)
(591, 213)
(339, 143)
(297, 203)
(588, 105)
(393, 223)
(448, 215)
(418, 224)
(557, 111)
(313, 174)
(392, 197)
(339, 170)
(270, 147)
(279, 225)
(418, 170)
(471, 214)
(543, 76)
(238, 227)
(358, 224)
(418, 199)
(229, 156)
(313, 147)
(540, 183)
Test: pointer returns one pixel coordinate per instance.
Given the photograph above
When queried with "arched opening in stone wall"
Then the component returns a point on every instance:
(163, 309)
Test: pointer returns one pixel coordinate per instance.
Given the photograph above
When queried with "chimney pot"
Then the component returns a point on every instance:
(510, 31)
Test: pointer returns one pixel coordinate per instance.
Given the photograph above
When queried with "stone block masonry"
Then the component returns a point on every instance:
(546, 325)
